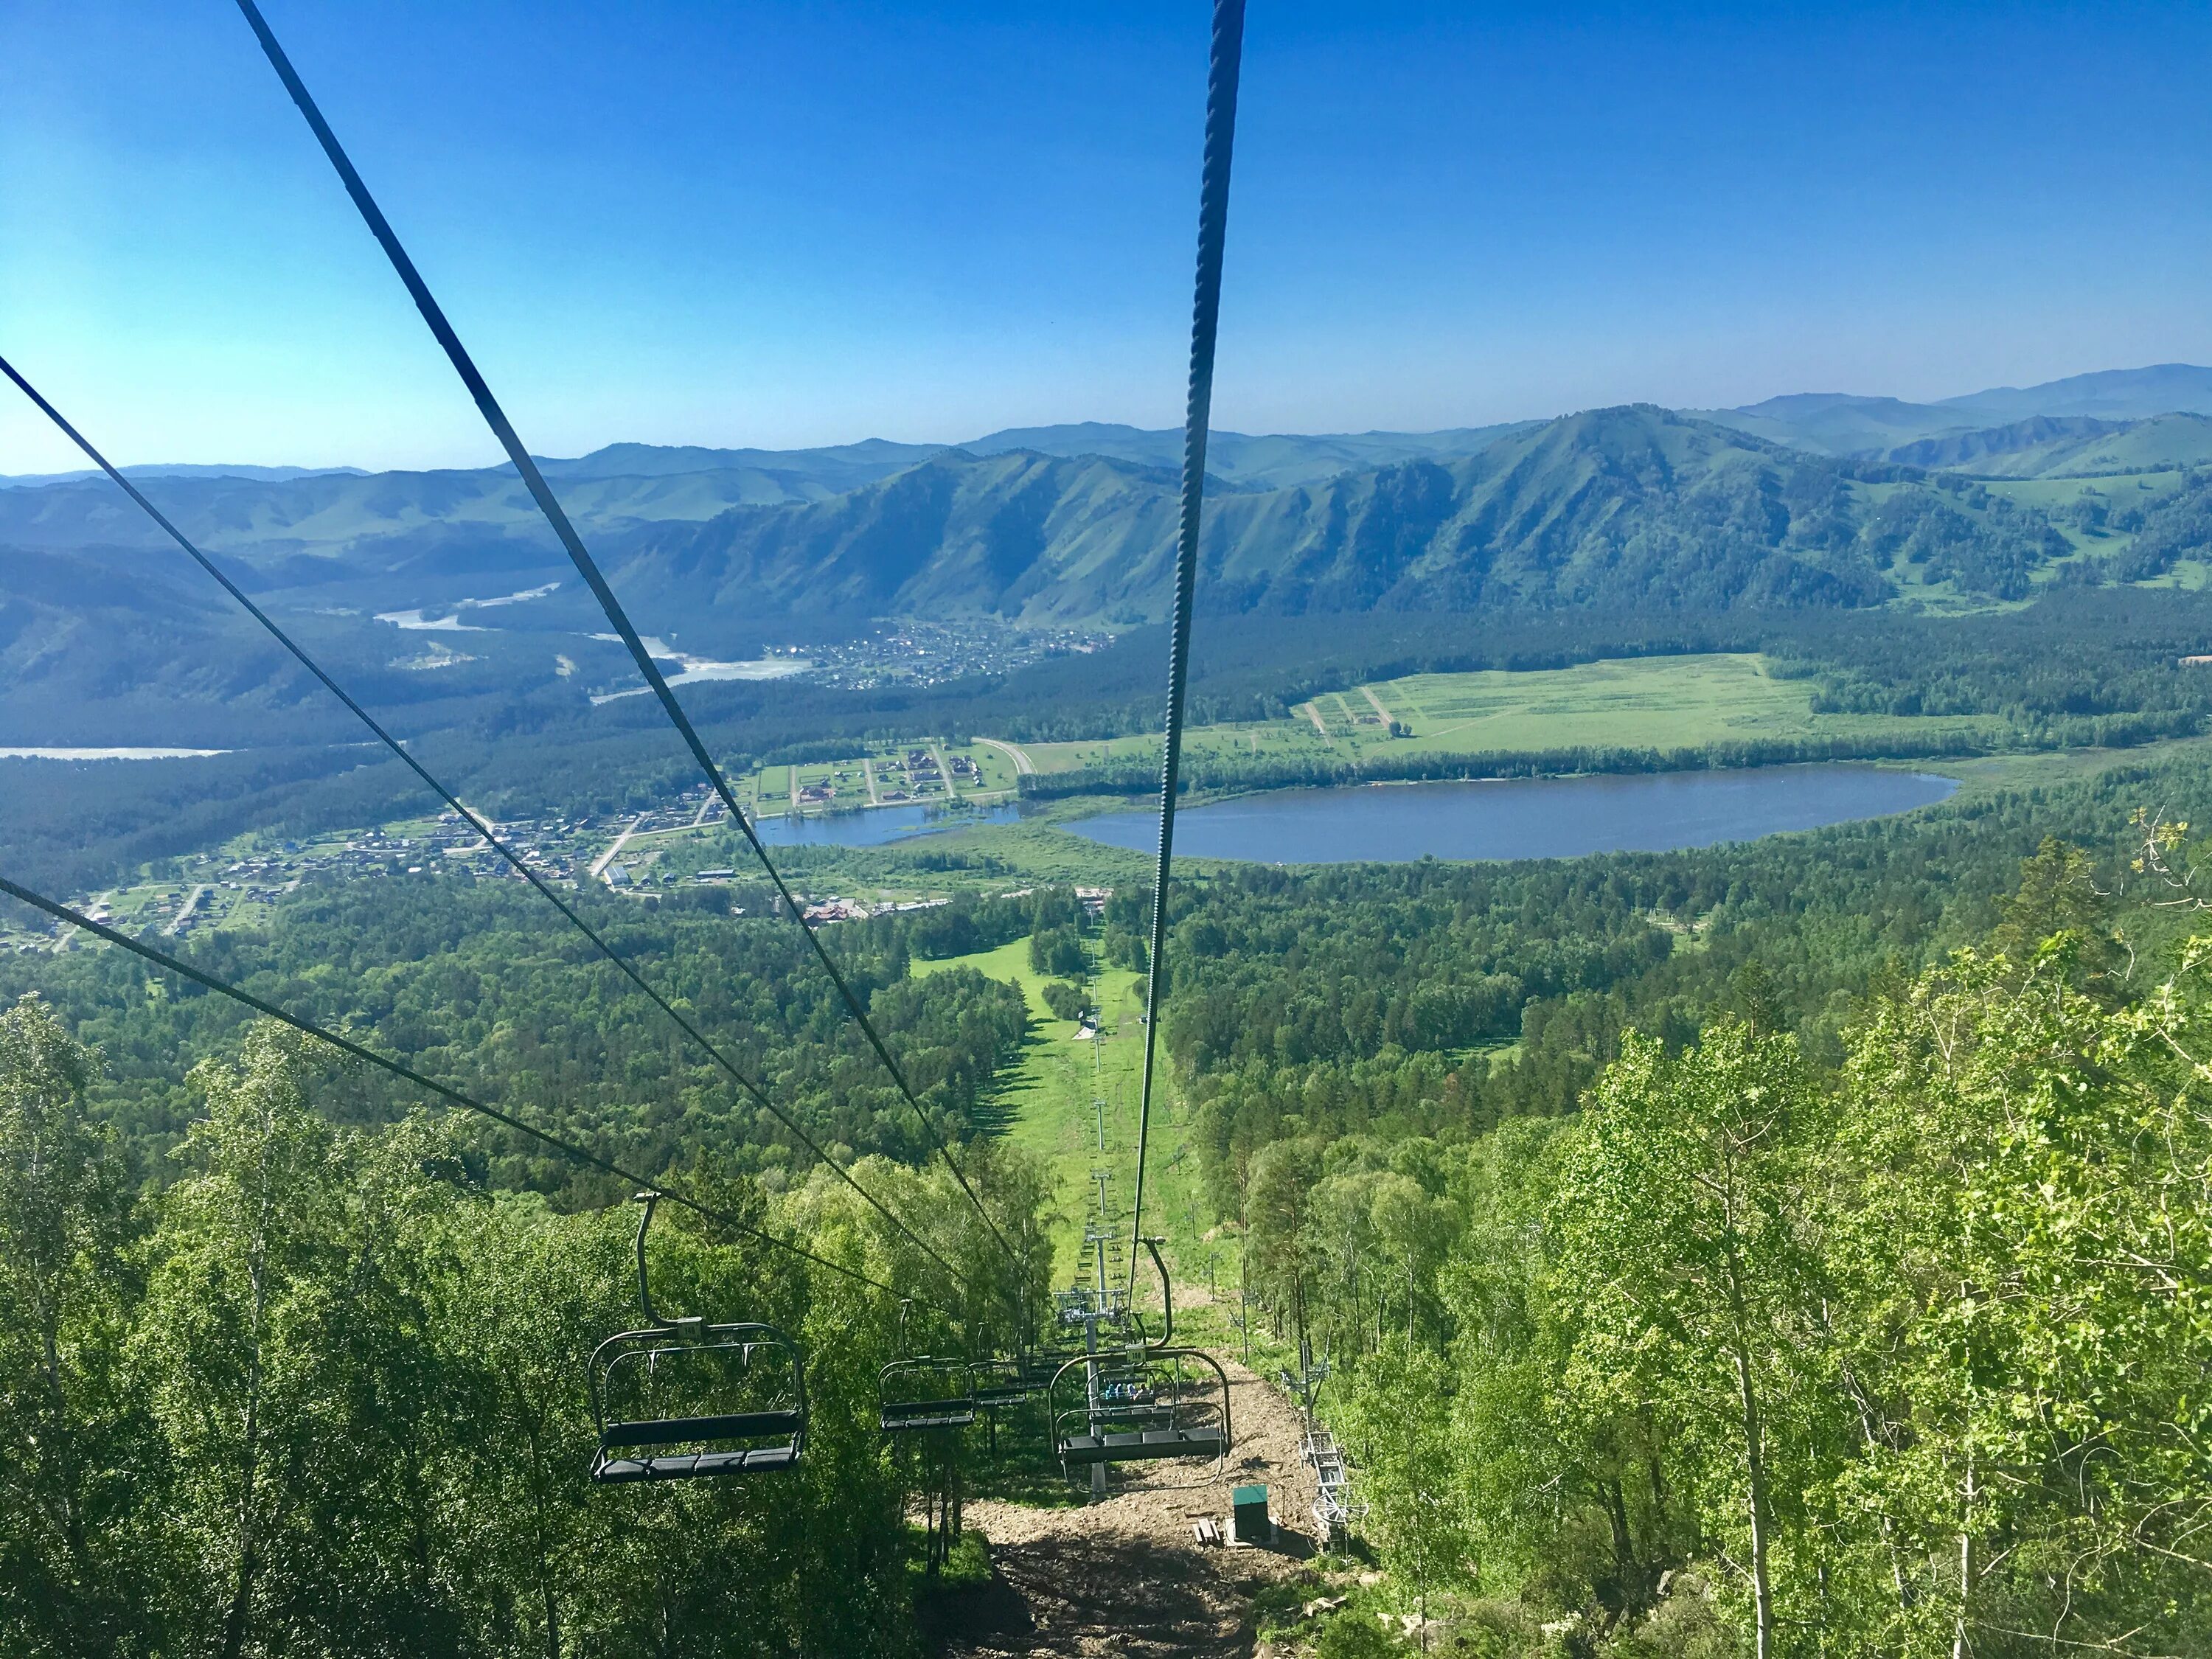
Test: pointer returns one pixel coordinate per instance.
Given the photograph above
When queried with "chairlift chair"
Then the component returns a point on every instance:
(1181, 1414)
(1155, 1400)
(1001, 1385)
(680, 1398)
(922, 1394)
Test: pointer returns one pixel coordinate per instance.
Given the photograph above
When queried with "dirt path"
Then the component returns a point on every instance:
(1126, 1576)
(1388, 717)
(1313, 714)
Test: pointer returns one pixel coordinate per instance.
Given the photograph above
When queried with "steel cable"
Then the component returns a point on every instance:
(752, 1087)
(549, 504)
(1205, 316)
(407, 1073)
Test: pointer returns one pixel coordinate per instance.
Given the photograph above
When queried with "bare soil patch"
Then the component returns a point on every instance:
(1125, 1575)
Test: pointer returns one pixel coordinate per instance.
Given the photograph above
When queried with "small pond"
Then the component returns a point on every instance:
(1526, 817)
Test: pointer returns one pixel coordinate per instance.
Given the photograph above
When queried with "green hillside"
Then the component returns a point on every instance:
(1631, 508)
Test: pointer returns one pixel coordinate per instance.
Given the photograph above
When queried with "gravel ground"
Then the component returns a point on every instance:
(1125, 1576)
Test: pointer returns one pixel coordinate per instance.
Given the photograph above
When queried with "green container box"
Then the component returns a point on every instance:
(1248, 1515)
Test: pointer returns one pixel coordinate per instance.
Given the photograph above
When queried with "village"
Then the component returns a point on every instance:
(917, 784)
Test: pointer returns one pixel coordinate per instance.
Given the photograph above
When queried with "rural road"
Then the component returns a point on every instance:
(185, 910)
(1022, 766)
(608, 857)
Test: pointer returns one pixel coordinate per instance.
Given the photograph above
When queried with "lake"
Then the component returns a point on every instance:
(1526, 817)
(874, 825)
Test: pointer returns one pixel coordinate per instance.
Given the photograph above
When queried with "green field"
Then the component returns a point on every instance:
(1645, 702)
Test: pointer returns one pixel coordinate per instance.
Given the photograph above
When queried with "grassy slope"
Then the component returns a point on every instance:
(1048, 1100)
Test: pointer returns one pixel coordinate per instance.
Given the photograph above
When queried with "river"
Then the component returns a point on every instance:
(1526, 817)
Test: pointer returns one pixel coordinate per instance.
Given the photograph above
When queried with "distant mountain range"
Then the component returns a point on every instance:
(180, 469)
(1826, 423)
(1808, 500)
(1837, 423)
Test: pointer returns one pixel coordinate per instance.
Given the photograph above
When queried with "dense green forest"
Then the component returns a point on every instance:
(490, 991)
(319, 1389)
(286, 1366)
(1817, 1267)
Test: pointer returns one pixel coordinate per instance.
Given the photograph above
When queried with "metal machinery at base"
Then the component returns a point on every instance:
(680, 1398)
(1336, 1511)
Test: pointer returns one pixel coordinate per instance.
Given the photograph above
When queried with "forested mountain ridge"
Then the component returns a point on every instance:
(2068, 447)
(1628, 506)
(1786, 503)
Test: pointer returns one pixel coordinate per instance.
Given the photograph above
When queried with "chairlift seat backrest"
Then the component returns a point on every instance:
(687, 1399)
(1183, 1416)
(903, 1408)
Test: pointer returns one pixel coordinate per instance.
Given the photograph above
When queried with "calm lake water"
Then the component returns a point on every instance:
(1526, 817)
(876, 825)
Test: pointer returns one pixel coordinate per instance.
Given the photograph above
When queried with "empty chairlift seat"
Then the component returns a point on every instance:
(675, 1402)
(1150, 1405)
(680, 1398)
(1001, 1384)
(915, 1396)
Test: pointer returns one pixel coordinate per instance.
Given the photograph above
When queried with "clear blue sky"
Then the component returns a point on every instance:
(783, 224)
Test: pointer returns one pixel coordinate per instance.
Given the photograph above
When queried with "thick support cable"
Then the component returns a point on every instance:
(550, 505)
(407, 1074)
(752, 1087)
(1204, 322)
